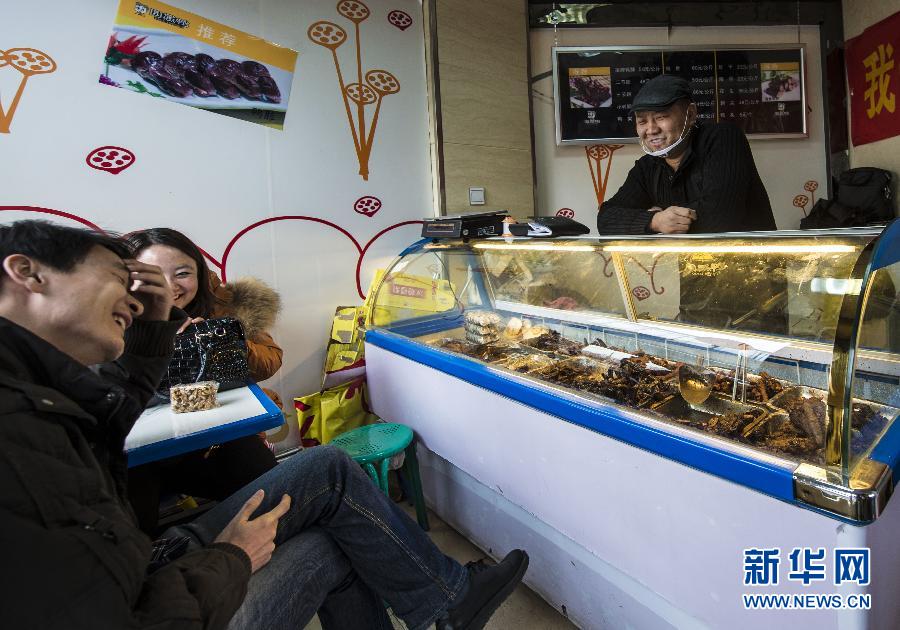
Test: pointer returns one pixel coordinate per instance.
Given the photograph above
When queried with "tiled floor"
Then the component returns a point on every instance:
(524, 610)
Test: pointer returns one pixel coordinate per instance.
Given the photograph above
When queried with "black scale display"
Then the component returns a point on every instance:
(762, 90)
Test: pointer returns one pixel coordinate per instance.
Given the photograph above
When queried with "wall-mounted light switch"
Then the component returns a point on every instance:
(476, 196)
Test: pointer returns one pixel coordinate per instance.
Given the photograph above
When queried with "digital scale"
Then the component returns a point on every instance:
(472, 225)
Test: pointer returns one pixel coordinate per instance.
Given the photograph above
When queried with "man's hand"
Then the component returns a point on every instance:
(149, 285)
(256, 537)
(672, 220)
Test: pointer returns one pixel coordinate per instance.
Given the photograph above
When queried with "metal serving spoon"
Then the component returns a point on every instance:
(694, 385)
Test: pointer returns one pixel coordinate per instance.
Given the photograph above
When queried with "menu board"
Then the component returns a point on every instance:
(762, 90)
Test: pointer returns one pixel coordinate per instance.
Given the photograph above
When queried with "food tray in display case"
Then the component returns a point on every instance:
(796, 336)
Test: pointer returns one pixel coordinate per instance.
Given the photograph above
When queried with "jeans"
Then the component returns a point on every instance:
(342, 549)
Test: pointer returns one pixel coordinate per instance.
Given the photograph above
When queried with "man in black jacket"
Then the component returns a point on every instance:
(694, 178)
(312, 535)
(699, 178)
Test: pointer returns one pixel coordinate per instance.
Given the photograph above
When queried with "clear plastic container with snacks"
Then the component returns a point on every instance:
(194, 396)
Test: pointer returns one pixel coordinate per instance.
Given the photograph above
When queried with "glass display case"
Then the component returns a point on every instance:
(769, 359)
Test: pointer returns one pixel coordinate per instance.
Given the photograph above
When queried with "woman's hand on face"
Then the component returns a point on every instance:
(149, 285)
(188, 322)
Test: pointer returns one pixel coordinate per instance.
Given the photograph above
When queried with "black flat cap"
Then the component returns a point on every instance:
(659, 93)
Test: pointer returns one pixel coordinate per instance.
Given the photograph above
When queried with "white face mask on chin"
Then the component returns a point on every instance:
(666, 151)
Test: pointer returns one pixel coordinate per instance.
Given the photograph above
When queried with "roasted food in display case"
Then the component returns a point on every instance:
(528, 362)
(760, 388)
(482, 326)
(778, 418)
(552, 341)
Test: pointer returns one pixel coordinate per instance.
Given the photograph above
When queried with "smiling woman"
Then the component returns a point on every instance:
(180, 270)
(217, 472)
(200, 293)
(182, 263)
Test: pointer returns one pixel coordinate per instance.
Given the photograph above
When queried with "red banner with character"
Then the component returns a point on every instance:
(873, 73)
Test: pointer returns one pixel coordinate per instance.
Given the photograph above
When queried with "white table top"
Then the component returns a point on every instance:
(160, 433)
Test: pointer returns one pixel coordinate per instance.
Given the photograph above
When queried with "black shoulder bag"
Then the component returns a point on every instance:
(211, 350)
(863, 198)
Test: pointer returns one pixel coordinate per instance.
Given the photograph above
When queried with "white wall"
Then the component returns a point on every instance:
(210, 176)
(563, 178)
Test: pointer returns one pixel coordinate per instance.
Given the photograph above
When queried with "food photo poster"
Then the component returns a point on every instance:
(165, 52)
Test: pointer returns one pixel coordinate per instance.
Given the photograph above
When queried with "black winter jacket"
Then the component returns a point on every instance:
(717, 178)
(73, 557)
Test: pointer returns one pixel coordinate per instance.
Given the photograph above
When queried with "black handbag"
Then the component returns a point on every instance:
(211, 350)
(863, 197)
(867, 190)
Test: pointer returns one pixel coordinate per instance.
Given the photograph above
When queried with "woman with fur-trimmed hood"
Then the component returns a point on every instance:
(256, 305)
(218, 471)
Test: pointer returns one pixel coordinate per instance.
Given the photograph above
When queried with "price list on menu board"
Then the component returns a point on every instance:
(761, 90)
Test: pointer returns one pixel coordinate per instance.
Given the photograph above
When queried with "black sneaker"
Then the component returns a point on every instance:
(488, 587)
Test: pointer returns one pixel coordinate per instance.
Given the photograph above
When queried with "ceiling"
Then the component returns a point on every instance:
(683, 13)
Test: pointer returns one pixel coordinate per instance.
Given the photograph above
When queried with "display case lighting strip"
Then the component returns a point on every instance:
(544, 247)
(732, 249)
(686, 249)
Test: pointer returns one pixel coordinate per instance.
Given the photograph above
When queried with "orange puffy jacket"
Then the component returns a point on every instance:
(256, 305)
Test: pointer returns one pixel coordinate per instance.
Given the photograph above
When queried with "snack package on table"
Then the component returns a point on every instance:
(194, 396)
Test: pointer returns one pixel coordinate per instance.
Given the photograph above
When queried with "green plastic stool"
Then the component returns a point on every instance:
(373, 445)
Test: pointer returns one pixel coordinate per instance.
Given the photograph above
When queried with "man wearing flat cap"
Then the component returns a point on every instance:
(695, 177)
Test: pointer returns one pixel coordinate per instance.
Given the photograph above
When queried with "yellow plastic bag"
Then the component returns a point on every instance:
(345, 354)
(343, 362)
(346, 324)
(327, 414)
